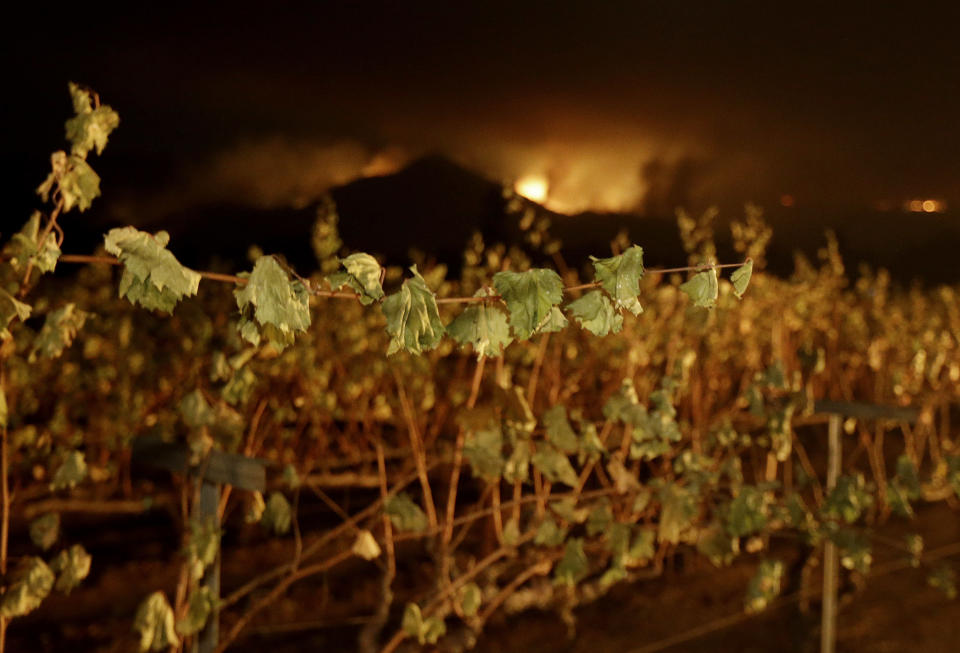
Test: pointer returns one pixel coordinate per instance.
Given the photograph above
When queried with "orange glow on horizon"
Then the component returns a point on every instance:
(534, 187)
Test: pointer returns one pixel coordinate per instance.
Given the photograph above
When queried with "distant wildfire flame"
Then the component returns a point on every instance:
(533, 187)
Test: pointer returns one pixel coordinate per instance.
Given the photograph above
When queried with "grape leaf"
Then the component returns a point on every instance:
(78, 184)
(595, 313)
(741, 278)
(483, 449)
(702, 288)
(277, 516)
(405, 514)
(483, 326)
(559, 432)
(573, 567)
(201, 604)
(203, 543)
(413, 320)
(362, 276)
(72, 566)
(58, 331)
(152, 275)
(944, 578)
(195, 410)
(24, 246)
(426, 631)
(554, 465)
(11, 308)
(620, 276)
(281, 307)
(848, 499)
(470, 599)
(532, 299)
(30, 583)
(71, 471)
(366, 546)
(45, 530)
(747, 513)
(680, 506)
(549, 533)
(91, 127)
(154, 621)
(765, 585)
(600, 519)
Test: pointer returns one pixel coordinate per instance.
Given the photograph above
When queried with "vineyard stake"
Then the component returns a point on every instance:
(828, 617)
(219, 468)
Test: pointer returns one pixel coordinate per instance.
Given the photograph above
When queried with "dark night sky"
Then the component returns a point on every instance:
(618, 105)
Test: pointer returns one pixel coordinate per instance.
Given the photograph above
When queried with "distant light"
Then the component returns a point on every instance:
(786, 200)
(533, 187)
(926, 206)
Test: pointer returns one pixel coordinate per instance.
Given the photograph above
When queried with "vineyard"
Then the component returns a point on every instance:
(438, 455)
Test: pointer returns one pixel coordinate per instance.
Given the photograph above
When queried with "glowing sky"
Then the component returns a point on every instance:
(610, 105)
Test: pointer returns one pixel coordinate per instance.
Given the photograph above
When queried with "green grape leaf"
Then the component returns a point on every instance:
(204, 542)
(573, 567)
(425, 631)
(366, 546)
(554, 465)
(600, 519)
(559, 432)
(615, 573)
(279, 306)
(741, 278)
(79, 185)
(45, 530)
(641, 549)
(405, 514)
(483, 326)
(765, 586)
(470, 599)
(362, 276)
(567, 510)
(155, 623)
(624, 406)
(702, 288)
(715, 544)
(413, 320)
(854, 548)
(747, 513)
(152, 275)
(907, 477)
(848, 499)
(10, 308)
(680, 507)
(549, 533)
(278, 515)
(201, 604)
(71, 471)
(90, 128)
(27, 587)
(24, 246)
(195, 410)
(623, 480)
(72, 566)
(595, 313)
(483, 449)
(620, 276)
(531, 298)
(944, 578)
(239, 387)
(59, 329)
